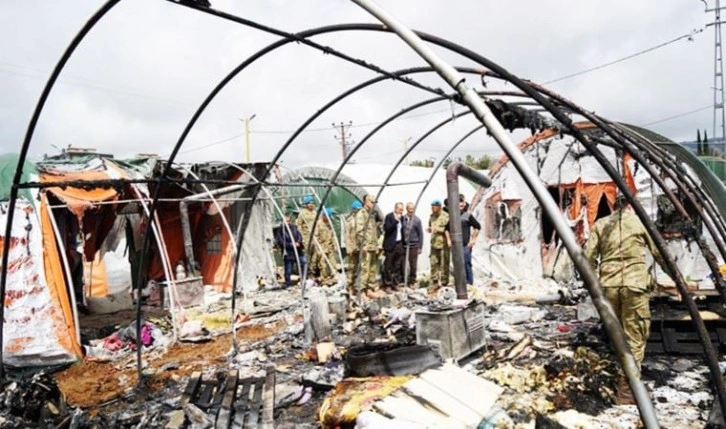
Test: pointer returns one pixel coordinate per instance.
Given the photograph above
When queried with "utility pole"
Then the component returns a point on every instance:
(718, 90)
(344, 137)
(406, 141)
(247, 121)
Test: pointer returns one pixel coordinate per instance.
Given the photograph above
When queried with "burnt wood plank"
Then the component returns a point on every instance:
(241, 408)
(256, 403)
(205, 395)
(228, 397)
(268, 405)
(190, 392)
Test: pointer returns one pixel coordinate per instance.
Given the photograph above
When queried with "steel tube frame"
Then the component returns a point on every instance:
(456, 81)
(453, 172)
(101, 12)
(92, 21)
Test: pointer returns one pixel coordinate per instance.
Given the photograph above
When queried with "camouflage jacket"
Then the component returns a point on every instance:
(351, 240)
(616, 249)
(324, 234)
(438, 224)
(304, 223)
(367, 232)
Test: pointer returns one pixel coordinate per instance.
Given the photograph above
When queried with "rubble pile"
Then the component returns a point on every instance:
(547, 369)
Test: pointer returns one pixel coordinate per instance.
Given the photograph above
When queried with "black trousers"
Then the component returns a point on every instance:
(413, 253)
(393, 265)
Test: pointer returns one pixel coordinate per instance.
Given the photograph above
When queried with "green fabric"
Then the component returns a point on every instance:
(8, 166)
(711, 173)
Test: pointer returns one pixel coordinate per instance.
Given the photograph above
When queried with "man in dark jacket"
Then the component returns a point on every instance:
(290, 242)
(470, 228)
(393, 248)
(413, 241)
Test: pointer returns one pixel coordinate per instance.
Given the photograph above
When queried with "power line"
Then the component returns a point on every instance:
(679, 115)
(87, 83)
(688, 36)
(211, 144)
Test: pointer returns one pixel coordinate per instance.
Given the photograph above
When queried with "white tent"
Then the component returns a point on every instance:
(518, 245)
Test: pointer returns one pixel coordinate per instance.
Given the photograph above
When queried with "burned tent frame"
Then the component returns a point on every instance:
(639, 147)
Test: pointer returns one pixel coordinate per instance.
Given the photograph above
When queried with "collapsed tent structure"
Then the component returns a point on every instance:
(79, 244)
(502, 104)
(516, 231)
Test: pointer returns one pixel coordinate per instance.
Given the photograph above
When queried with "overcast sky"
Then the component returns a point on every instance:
(136, 80)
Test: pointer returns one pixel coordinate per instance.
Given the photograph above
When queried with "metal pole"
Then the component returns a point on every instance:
(247, 140)
(484, 114)
(453, 172)
(24, 152)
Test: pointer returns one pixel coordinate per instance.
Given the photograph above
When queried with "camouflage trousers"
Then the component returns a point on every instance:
(369, 271)
(320, 263)
(353, 259)
(439, 259)
(633, 310)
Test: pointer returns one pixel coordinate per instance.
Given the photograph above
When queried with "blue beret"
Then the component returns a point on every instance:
(436, 203)
(308, 200)
(356, 205)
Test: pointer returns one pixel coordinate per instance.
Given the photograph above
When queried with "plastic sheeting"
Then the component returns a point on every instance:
(563, 163)
(39, 327)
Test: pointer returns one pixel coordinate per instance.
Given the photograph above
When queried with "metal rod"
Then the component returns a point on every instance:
(22, 155)
(433, 174)
(453, 172)
(456, 81)
(686, 296)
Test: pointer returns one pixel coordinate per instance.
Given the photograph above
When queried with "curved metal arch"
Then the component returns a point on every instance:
(658, 155)
(705, 250)
(646, 146)
(592, 281)
(60, 65)
(334, 101)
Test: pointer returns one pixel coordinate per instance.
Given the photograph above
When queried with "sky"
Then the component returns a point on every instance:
(136, 80)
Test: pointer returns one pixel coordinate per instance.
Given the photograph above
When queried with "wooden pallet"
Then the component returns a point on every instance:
(681, 338)
(231, 402)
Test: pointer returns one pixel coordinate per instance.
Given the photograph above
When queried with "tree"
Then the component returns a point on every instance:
(699, 145)
(705, 149)
(421, 163)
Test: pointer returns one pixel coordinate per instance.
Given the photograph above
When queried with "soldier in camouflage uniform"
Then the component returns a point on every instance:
(438, 223)
(304, 222)
(352, 245)
(367, 234)
(616, 250)
(325, 248)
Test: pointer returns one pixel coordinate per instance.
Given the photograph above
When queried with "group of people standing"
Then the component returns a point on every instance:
(400, 243)
(294, 239)
(396, 238)
(399, 238)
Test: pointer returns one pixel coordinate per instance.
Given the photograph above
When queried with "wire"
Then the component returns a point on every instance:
(365, 124)
(87, 83)
(688, 36)
(211, 144)
(700, 109)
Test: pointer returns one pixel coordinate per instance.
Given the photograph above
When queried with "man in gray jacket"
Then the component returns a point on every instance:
(413, 240)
